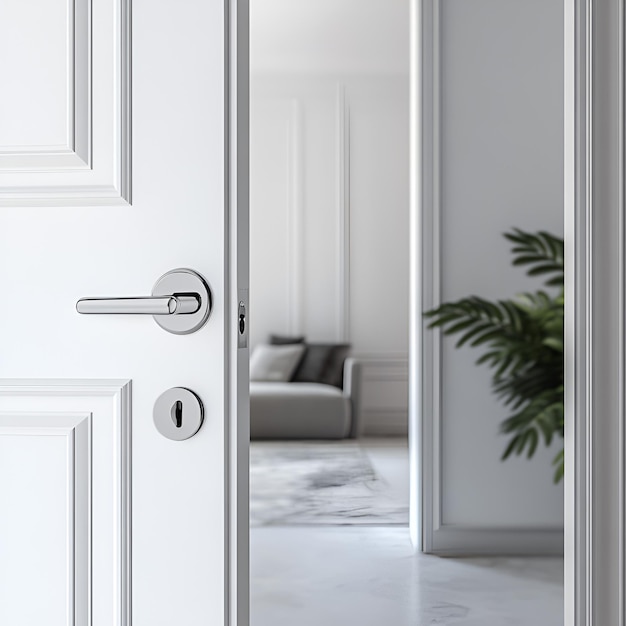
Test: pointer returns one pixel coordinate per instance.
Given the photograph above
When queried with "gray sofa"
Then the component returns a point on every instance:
(307, 410)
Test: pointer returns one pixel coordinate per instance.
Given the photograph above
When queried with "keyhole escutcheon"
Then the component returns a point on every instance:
(168, 413)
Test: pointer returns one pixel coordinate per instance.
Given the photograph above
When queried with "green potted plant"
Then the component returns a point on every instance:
(522, 342)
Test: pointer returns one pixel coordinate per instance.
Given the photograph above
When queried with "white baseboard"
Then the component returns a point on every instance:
(470, 541)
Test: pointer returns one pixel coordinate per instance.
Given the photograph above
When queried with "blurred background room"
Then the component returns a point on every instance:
(334, 478)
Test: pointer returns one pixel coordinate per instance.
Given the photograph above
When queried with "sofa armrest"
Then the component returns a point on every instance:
(352, 390)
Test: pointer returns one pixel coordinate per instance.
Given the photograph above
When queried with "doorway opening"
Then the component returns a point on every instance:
(330, 291)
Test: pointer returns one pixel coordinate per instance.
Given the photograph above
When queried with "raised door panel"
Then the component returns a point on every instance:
(65, 109)
(44, 521)
(64, 518)
(38, 81)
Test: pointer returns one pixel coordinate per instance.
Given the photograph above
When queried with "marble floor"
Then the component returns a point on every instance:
(370, 576)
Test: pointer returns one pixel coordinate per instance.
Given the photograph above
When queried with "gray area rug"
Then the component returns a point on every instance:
(304, 483)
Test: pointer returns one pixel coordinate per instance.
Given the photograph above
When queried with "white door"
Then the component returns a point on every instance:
(113, 171)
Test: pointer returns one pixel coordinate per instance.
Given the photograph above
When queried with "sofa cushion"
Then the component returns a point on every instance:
(322, 363)
(275, 363)
(298, 411)
(306, 391)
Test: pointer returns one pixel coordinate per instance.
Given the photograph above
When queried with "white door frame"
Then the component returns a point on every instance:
(595, 447)
(595, 444)
(594, 221)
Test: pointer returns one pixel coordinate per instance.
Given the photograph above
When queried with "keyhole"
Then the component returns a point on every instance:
(177, 414)
(242, 324)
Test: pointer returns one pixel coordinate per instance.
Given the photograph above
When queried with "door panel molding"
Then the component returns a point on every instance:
(82, 430)
(77, 121)
(92, 166)
(48, 560)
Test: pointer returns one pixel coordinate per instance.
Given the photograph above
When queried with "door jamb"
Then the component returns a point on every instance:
(237, 430)
(595, 447)
(578, 289)
(595, 309)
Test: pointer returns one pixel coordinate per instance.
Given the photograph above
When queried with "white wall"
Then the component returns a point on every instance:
(329, 37)
(494, 84)
(502, 166)
(329, 223)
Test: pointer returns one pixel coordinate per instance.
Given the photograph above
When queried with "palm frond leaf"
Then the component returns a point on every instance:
(541, 251)
(521, 340)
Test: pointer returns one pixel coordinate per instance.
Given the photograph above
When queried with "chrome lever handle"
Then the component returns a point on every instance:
(181, 303)
(176, 304)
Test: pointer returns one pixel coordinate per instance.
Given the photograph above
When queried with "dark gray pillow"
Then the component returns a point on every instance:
(283, 340)
(322, 363)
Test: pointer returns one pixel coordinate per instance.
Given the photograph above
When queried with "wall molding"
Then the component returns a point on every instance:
(297, 205)
(295, 219)
(385, 423)
(385, 369)
(436, 536)
(382, 356)
(383, 405)
(342, 160)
